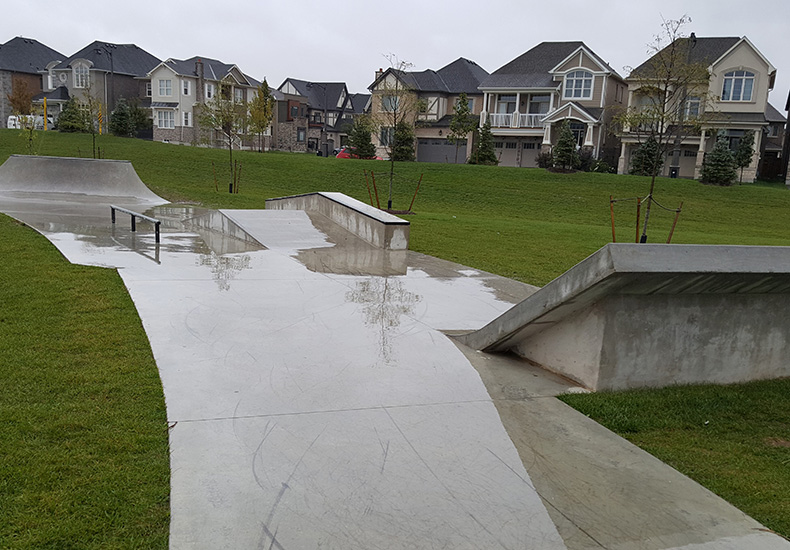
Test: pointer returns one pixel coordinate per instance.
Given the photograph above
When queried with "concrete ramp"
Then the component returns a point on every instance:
(97, 177)
(635, 315)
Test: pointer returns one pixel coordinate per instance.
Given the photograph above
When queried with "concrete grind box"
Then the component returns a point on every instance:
(655, 315)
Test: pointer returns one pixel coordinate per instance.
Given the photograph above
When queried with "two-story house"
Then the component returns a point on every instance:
(432, 96)
(773, 141)
(23, 62)
(178, 87)
(289, 128)
(106, 71)
(329, 112)
(732, 99)
(526, 99)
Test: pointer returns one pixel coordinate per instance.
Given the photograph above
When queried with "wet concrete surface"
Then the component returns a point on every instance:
(315, 401)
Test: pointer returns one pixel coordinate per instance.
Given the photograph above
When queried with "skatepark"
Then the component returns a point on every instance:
(316, 400)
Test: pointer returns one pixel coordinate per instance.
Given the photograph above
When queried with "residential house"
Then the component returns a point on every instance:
(23, 63)
(329, 112)
(289, 129)
(773, 140)
(178, 87)
(432, 96)
(528, 98)
(732, 101)
(108, 72)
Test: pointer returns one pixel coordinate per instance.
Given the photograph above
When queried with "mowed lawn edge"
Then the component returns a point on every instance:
(83, 430)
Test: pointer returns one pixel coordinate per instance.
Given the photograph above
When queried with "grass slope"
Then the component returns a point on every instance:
(84, 457)
(529, 225)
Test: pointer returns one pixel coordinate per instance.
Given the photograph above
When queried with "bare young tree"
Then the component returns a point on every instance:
(670, 100)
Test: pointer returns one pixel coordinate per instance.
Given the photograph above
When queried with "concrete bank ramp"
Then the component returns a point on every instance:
(634, 315)
(98, 177)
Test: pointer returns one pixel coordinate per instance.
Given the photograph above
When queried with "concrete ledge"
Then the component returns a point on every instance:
(635, 315)
(372, 225)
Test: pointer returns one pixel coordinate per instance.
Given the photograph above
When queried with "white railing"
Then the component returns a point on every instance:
(530, 121)
(501, 120)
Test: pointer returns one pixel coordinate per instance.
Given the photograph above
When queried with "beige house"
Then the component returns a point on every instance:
(178, 87)
(526, 99)
(427, 99)
(733, 101)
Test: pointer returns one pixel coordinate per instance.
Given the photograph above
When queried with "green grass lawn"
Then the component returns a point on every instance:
(526, 224)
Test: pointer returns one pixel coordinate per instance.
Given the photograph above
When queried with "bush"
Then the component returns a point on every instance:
(586, 160)
(545, 160)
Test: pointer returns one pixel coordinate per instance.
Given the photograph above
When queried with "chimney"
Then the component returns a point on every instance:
(200, 82)
(379, 73)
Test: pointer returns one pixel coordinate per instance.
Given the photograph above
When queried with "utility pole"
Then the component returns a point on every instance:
(786, 145)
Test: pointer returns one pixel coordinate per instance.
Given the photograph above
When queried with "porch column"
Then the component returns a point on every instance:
(547, 134)
(515, 115)
(700, 155)
(622, 162)
(588, 136)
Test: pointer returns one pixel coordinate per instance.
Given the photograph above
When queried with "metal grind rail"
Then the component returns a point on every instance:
(134, 215)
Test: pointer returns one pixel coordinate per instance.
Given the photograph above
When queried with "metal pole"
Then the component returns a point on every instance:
(611, 209)
(638, 208)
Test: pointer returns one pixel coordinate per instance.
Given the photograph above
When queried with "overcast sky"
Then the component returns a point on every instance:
(347, 40)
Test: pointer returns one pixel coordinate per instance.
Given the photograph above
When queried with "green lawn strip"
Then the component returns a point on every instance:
(83, 431)
(734, 440)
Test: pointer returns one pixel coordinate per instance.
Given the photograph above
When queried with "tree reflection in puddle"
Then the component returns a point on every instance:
(385, 300)
(224, 268)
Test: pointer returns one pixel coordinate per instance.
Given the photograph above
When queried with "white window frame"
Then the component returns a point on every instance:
(575, 81)
(187, 119)
(81, 75)
(693, 107)
(165, 120)
(737, 77)
(238, 95)
(209, 90)
(386, 136)
(390, 103)
(504, 102)
(148, 89)
(165, 87)
(186, 87)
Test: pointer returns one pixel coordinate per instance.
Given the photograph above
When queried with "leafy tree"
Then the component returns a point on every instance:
(223, 114)
(403, 143)
(644, 159)
(719, 166)
(261, 112)
(670, 99)
(744, 152)
(21, 99)
(462, 123)
(484, 152)
(72, 118)
(359, 137)
(92, 110)
(122, 124)
(565, 154)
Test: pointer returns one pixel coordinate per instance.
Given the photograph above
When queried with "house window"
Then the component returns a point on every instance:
(81, 76)
(539, 104)
(692, 107)
(312, 144)
(578, 84)
(506, 103)
(165, 119)
(738, 86)
(165, 87)
(687, 153)
(578, 129)
(51, 80)
(238, 95)
(390, 103)
(470, 103)
(301, 135)
(294, 111)
(148, 89)
(734, 137)
(209, 91)
(529, 145)
(498, 144)
(186, 118)
(773, 130)
(387, 136)
(185, 87)
(510, 145)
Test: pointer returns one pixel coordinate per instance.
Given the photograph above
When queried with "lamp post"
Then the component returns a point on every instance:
(108, 48)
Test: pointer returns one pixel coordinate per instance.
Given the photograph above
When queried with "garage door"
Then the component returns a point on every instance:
(440, 150)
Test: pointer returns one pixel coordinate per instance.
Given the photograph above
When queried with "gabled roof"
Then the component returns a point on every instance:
(213, 69)
(359, 102)
(533, 68)
(315, 92)
(460, 76)
(26, 55)
(703, 50)
(127, 59)
(772, 114)
(574, 110)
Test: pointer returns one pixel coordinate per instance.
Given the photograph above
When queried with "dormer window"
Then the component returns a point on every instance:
(738, 86)
(578, 85)
(81, 76)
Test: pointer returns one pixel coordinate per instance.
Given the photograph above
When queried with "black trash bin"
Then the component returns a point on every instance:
(674, 171)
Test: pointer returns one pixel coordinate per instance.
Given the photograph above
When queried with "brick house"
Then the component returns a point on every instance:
(23, 62)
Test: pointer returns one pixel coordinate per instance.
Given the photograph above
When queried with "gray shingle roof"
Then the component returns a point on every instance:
(531, 69)
(314, 92)
(359, 102)
(462, 75)
(213, 69)
(25, 55)
(772, 114)
(700, 50)
(60, 93)
(128, 59)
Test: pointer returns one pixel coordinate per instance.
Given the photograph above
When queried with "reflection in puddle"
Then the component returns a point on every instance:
(385, 300)
(223, 268)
